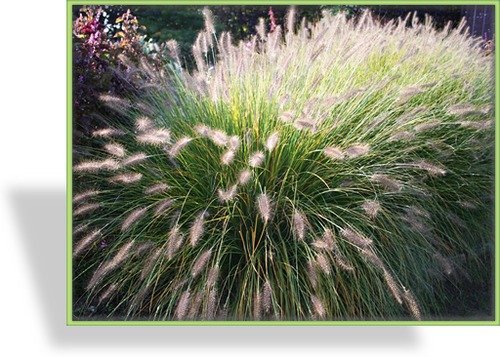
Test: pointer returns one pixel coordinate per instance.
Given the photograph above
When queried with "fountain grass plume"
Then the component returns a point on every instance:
(341, 163)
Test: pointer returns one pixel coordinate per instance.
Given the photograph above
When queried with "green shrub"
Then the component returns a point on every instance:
(340, 172)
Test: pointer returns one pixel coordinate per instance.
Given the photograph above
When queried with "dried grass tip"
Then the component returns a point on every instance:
(465, 109)
(213, 275)
(427, 126)
(266, 296)
(479, 125)
(342, 262)
(203, 130)
(323, 263)
(80, 228)
(312, 273)
(257, 305)
(373, 258)
(327, 241)
(234, 142)
(402, 135)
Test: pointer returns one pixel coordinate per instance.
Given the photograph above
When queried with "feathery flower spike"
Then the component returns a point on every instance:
(299, 224)
(272, 141)
(355, 238)
(256, 159)
(132, 218)
(264, 207)
(200, 263)
(227, 195)
(333, 153)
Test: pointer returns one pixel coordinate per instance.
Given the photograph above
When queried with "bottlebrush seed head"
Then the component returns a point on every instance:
(156, 188)
(244, 177)
(219, 137)
(272, 141)
(143, 124)
(299, 224)
(318, 306)
(355, 238)
(155, 137)
(197, 229)
(126, 178)
(256, 159)
(264, 207)
(132, 218)
(107, 133)
(228, 157)
(357, 150)
(79, 197)
(227, 195)
(178, 146)
(334, 153)
(200, 263)
(134, 159)
(115, 149)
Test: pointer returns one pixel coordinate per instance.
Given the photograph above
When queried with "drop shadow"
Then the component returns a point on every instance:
(41, 219)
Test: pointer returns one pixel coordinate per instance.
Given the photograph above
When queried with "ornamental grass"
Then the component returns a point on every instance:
(341, 170)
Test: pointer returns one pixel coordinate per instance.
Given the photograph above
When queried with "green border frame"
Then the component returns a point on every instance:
(69, 160)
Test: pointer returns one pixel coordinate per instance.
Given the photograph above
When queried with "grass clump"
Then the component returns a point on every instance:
(336, 171)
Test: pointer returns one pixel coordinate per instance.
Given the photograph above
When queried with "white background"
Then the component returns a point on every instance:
(33, 291)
